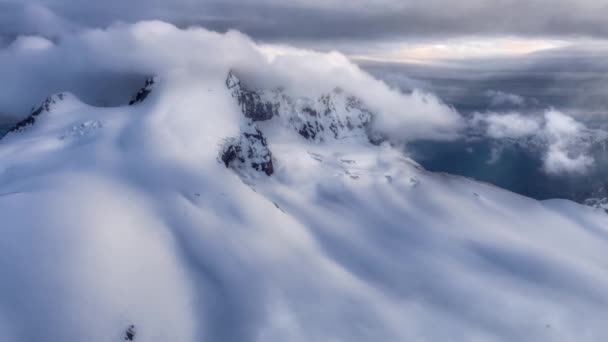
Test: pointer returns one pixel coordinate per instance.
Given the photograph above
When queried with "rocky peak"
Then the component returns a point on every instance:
(332, 116)
(252, 105)
(143, 93)
(335, 115)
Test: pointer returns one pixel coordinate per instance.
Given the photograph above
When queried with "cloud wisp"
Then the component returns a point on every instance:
(565, 142)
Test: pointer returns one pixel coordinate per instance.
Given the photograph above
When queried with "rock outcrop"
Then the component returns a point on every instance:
(335, 115)
(249, 150)
(332, 116)
(45, 107)
(143, 93)
(252, 105)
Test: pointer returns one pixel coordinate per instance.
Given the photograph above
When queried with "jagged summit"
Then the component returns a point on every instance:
(332, 116)
(335, 115)
(252, 105)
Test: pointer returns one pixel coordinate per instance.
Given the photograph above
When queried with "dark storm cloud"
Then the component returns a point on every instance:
(338, 19)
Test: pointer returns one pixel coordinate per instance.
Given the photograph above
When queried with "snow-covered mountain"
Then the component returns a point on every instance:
(210, 211)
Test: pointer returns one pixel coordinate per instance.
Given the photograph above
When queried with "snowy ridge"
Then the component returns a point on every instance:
(45, 107)
(140, 234)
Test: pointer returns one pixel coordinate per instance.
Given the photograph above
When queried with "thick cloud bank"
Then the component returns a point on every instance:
(100, 65)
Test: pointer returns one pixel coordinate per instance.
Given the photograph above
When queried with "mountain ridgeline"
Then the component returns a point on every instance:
(332, 116)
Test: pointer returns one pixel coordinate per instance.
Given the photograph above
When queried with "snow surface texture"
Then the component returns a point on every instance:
(125, 224)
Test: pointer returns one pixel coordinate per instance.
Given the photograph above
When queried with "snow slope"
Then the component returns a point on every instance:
(124, 223)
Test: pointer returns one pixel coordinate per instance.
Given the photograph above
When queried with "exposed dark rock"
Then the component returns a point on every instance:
(46, 106)
(335, 115)
(332, 116)
(143, 93)
(251, 103)
(231, 153)
(250, 149)
(130, 333)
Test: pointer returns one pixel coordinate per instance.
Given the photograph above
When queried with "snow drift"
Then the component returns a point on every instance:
(129, 223)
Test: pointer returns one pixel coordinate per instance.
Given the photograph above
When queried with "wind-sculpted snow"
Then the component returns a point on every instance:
(135, 229)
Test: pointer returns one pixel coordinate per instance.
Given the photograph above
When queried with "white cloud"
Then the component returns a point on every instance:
(500, 98)
(558, 161)
(95, 64)
(30, 43)
(510, 125)
(564, 141)
(568, 149)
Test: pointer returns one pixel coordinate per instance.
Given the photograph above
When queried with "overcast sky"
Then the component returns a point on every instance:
(351, 19)
(331, 20)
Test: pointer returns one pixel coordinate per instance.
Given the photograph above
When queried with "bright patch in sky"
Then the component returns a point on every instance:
(462, 48)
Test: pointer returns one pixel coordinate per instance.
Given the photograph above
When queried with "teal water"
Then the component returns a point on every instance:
(516, 169)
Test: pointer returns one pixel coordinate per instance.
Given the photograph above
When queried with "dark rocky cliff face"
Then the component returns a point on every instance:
(251, 103)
